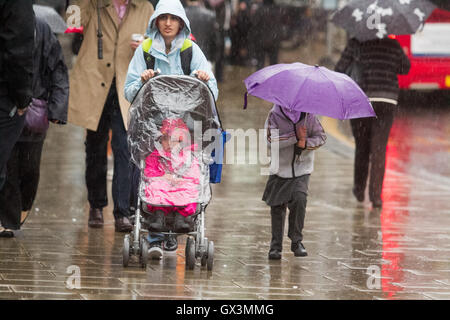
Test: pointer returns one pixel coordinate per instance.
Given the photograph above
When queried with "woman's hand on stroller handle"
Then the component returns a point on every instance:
(148, 74)
(201, 75)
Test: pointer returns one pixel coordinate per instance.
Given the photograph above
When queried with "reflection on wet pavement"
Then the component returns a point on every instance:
(400, 252)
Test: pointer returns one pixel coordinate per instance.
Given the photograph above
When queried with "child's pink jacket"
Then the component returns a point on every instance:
(159, 191)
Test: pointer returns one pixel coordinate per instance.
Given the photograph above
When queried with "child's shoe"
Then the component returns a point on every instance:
(274, 255)
(171, 243)
(298, 249)
(157, 221)
(181, 224)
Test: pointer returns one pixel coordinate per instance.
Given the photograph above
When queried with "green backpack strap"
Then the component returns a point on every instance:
(186, 55)
(149, 59)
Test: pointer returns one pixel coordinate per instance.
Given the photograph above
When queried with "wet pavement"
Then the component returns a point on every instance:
(354, 252)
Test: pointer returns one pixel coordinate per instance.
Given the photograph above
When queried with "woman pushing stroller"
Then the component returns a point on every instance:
(168, 50)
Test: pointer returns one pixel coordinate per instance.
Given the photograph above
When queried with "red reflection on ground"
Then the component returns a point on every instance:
(395, 194)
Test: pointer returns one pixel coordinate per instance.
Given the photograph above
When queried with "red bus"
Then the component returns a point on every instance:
(429, 52)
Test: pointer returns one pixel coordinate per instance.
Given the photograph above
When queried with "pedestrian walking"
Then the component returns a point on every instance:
(265, 33)
(299, 92)
(377, 64)
(222, 9)
(287, 186)
(16, 65)
(240, 25)
(97, 102)
(168, 50)
(203, 27)
(49, 103)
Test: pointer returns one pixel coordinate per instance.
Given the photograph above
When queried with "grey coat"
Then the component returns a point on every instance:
(292, 161)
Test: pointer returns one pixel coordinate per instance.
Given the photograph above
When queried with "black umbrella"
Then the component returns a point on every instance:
(49, 15)
(376, 19)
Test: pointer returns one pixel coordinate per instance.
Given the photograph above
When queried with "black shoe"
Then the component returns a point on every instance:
(157, 221)
(95, 218)
(171, 243)
(123, 225)
(376, 204)
(274, 255)
(298, 249)
(181, 225)
(358, 195)
(6, 233)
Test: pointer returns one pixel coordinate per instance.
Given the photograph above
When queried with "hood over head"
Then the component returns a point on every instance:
(173, 7)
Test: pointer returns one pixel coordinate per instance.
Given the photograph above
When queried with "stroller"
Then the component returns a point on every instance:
(189, 101)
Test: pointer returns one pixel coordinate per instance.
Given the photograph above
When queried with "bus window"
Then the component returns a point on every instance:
(429, 52)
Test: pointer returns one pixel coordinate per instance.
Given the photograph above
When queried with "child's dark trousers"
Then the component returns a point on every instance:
(297, 210)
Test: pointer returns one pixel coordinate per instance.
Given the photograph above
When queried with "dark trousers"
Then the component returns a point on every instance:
(260, 55)
(297, 211)
(371, 138)
(220, 56)
(19, 192)
(10, 129)
(97, 162)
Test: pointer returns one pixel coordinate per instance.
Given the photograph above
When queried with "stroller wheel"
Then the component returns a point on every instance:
(144, 253)
(190, 253)
(126, 250)
(210, 259)
(204, 258)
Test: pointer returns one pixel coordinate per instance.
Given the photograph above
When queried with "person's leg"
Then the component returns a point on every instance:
(29, 164)
(30, 161)
(278, 215)
(361, 129)
(273, 54)
(182, 221)
(121, 184)
(10, 129)
(297, 211)
(10, 198)
(155, 240)
(96, 167)
(381, 128)
(134, 189)
(220, 56)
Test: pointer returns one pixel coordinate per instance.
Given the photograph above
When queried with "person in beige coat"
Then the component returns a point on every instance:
(96, 100)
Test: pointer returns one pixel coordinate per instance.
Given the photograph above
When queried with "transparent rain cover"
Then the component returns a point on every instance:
(172, 123)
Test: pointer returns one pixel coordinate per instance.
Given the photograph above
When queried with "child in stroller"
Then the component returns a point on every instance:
(172, 173)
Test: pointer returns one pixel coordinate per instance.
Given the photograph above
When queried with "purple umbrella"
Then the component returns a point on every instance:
(299, 87)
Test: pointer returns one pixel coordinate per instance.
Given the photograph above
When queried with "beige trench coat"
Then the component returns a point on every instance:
(91, 78)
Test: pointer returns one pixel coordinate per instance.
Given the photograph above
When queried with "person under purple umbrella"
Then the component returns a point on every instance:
(287, 186)
(299, 92)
